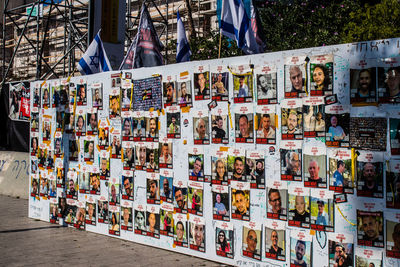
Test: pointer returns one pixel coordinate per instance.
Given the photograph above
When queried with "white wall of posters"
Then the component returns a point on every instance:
(281, 159)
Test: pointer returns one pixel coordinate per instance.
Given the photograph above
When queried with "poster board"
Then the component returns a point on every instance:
(200, 224)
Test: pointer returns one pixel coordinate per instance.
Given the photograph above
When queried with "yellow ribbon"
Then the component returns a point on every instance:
(353, 165)
(229, 114)
(344, 217)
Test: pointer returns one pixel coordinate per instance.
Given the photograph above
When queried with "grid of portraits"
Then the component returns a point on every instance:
(238, 162)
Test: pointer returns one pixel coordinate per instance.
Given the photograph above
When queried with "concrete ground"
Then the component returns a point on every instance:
(24, 241)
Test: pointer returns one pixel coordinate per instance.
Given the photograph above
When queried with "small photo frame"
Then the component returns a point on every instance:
(266, 83)
(243, 88)
(370, 228)
(202, 85)
(166, 219)
(224, 239)
(220, 86)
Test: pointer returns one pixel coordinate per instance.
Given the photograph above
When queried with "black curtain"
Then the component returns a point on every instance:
(14, 135)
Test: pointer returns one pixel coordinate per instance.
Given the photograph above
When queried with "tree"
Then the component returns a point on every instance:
(300, 23)
(206, 47)
(192, 30)
(295, 24)
(373, 22)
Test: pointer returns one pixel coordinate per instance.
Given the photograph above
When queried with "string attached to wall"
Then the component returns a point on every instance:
(229, 115)
(354, 155)
(307, 60)
(344, 217)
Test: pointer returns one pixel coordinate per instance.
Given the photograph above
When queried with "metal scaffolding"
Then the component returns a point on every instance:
(46, 38)
(43, 39)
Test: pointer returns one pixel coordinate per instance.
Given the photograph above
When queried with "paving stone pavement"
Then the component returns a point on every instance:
(24, 241)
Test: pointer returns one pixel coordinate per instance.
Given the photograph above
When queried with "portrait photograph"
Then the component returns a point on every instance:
(370, 228)
(180, 197)
(114, 106)
(180, 231)
(243, 88)
(201, 130)
(292, 123)
(185, 94)
(197, 234)
(275, 243)
(341, 250)
(165, 157)
(244, 130)
(240, 201)
(91, 213)
(363, 85)
(313, 121)
(389, 84)
(102, 211)
(140, 222)
(340, 173)
(153, 222)
(265, 130)
(337, 129)
(97, 96)
(174, 125)
(295, 77)
(314, 167)
(266, 88)
(126, 218)
(277, 203)
(299, 210)
(251, 242)
(394, 124)
(114, 223)
(169, 93)
(224, 242)
(220, 202)
(166, 222)
(393, 184)
(300, 252)
(202, 85)
(321, 78)
(125, 98)
(220, 86)
(81, 94)
(196, 166)
(153, 191)
(322, 214)
(166, 188)
(127, 129)
(291, 165)
(219, 129)
(195, 198)
(370, 179)
(219, 170)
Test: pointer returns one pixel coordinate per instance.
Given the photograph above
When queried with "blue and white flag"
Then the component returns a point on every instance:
(183, 52)
(95, 58)
(236, 25)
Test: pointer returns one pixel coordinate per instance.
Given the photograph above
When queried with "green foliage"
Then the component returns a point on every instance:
(206, 47)
(295, 24)
(373, 22)
(301, 24)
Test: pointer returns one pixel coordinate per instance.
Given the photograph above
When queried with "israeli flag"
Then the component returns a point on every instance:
(95, 58)
(183, 52)
(236, 25)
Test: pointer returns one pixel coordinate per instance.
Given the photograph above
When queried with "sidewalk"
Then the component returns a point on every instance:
(24, 241)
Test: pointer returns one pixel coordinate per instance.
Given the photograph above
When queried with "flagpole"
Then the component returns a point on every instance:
(220, 33)
(220, 40)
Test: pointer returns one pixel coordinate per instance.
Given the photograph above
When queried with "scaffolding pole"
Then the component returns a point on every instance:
(53, 38)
